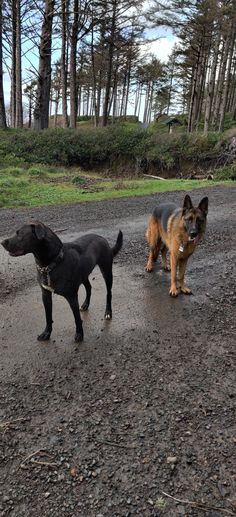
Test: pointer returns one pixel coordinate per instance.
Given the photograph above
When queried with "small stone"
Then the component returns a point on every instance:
(172, 460)
(73, 472)
(47, 494)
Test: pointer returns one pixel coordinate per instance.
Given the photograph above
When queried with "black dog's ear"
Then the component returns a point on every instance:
(39, 231)
(203, 205)
(187, 203)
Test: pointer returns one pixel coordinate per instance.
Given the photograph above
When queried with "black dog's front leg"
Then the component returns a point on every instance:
(74, 305)
(47, 302)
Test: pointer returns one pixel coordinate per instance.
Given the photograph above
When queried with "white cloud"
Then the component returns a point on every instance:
(162, 47)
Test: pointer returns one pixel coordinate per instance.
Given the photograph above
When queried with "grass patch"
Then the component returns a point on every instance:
(22, 192)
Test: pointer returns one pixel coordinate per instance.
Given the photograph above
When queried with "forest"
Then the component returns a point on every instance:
(68, 59)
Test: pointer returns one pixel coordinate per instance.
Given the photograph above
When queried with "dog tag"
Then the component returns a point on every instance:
(48, 288)
(181, 248)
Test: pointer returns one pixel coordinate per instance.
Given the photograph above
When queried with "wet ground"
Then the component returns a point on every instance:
(145, 406)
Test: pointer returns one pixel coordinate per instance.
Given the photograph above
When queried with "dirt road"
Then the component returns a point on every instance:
(146, 405)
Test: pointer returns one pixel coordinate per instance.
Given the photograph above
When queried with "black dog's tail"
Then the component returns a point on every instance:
(118, 244)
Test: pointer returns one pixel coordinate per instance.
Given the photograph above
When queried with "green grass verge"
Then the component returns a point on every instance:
(23, 191)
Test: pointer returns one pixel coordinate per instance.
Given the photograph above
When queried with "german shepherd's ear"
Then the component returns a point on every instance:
(39, 230)
(187, 204)
(203, 205)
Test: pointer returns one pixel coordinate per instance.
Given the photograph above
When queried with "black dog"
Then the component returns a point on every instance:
(62, 268)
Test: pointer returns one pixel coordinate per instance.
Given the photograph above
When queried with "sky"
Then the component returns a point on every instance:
(161, 48)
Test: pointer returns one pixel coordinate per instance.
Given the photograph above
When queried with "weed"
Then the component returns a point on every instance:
(160, 503)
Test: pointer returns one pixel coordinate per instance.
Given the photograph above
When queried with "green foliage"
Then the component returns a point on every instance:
(13, 171)
(77, 180)
(83, 118)
(160, 503)
(226, 172)
(16, 192)
(85, 147)
(123, 143)
(37, 172)
(9, 183)
(9, 159)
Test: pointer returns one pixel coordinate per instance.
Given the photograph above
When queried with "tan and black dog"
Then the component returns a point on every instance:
(178, 230)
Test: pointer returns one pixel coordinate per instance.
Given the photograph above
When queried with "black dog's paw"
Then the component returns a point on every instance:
(84, 307)
(108, 315)
(45, 336)
(79, 336)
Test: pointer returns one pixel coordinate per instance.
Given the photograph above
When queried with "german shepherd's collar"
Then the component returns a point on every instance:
(179, 230)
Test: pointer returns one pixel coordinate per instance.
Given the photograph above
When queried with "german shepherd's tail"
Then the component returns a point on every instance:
(118, 244)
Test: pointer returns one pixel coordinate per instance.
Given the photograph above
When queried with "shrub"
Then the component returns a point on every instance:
(12, 171)
(109, 147)
(225, 173)
(78, 181)
(37, 172)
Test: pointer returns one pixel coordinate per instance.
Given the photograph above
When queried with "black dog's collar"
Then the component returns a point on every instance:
(45, 271)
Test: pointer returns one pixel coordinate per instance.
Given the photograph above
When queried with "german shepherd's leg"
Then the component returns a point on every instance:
(173, 267)
(88, 288)
(47, 302)
(164, 259)
(154, 241)
(74, 305)
(182, 267)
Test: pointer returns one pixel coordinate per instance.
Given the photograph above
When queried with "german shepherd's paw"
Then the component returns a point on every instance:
(185, 290)
(166, 268)
(173, 292)
(148, 268)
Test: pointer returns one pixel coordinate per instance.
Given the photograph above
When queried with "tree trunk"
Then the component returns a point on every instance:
(3, 123)
(73, 51)
(196, 88)
(109, 70)
(221, 80)
(30, 110)
(64, 61)
(227, 79)
(41, 111)
(94, 80)
(128, 78)
(13, 66)
(211, 85)
(19, 106)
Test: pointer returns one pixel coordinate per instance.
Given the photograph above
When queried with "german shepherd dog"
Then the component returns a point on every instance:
(63, 267)
(178, 230)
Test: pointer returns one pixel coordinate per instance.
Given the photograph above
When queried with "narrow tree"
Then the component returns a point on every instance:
(3, 123)
(41, 111)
